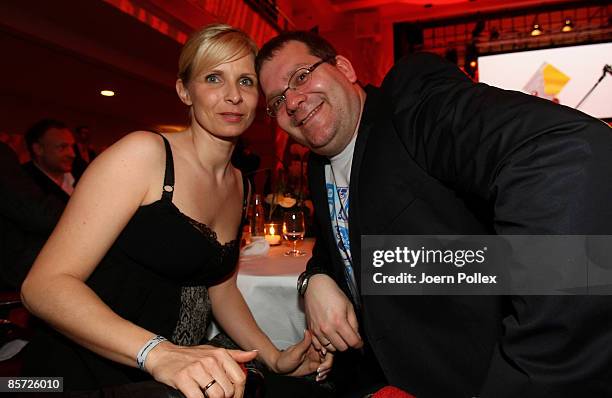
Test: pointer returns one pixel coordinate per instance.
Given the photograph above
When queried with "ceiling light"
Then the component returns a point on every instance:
(537, 30)
(568, 26)
(107, 93)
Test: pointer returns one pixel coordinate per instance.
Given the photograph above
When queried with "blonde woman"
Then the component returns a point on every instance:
(150, 238)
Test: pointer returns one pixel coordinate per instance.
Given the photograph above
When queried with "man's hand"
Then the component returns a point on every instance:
(330, 316)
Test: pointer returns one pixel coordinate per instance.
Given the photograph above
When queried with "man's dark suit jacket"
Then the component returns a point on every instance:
(45, 183)
(27, 216)
(438, 154)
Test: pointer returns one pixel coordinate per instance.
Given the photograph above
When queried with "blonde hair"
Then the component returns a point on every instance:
(213, 45)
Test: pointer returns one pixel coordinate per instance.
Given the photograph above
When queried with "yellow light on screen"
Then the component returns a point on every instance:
(473, 64)
(107, 93)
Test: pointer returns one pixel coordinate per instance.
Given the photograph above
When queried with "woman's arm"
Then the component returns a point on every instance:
(121, 179)
(107, 196)
(234, 316)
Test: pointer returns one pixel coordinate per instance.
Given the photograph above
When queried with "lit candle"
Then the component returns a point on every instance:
(271, 234)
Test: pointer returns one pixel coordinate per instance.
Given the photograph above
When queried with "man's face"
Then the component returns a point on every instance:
(54, 151)
(324, 112)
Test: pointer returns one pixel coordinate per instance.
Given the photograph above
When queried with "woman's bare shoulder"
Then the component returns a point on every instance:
(140, 142)
(137, 146)
(134, 159)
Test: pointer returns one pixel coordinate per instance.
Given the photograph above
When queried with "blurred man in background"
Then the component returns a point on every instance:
(51, 146)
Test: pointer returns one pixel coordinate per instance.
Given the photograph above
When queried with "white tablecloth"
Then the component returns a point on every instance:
(268, 284)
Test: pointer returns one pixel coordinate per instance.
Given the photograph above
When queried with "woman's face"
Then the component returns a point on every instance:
(224, 98)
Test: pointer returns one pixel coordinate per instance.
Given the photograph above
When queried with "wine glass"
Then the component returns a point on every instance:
(293, 230)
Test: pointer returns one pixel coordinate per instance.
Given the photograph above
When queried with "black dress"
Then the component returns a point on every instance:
(155, 275)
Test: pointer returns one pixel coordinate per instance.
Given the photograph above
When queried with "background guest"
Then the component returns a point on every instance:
(51, 146)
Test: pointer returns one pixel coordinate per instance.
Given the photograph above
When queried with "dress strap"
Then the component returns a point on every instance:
(168, 188)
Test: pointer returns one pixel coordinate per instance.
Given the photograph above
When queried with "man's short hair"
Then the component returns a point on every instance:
(317, 46)
(33, 134)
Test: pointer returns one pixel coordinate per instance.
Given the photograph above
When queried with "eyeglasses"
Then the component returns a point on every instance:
(299, 78)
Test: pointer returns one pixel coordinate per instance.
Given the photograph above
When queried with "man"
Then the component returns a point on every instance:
(430, 152)
(51, 147)
(27, 217)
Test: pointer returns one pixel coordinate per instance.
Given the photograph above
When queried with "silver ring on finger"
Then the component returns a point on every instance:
(206, 387)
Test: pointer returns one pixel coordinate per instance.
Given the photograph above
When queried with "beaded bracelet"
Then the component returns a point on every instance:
(141, 357)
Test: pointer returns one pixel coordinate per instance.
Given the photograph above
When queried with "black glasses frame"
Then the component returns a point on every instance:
(283, 98)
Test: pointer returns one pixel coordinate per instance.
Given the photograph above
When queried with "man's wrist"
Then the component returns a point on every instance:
(304, 278)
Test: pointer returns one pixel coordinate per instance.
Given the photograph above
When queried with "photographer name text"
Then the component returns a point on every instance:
(414, 257)
(425, 279)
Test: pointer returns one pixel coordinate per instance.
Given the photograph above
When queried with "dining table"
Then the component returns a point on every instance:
(268, 283)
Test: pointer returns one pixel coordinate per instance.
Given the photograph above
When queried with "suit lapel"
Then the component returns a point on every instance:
(365, 128)
(318, 190)
(316, 169)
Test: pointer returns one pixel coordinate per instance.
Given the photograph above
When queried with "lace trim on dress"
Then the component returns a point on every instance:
(193, 317)
(205, 230)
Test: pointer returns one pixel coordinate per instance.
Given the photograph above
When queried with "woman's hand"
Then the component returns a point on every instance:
(191, 369)
(302, 359)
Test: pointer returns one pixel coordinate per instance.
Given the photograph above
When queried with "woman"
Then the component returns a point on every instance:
(153, 222)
